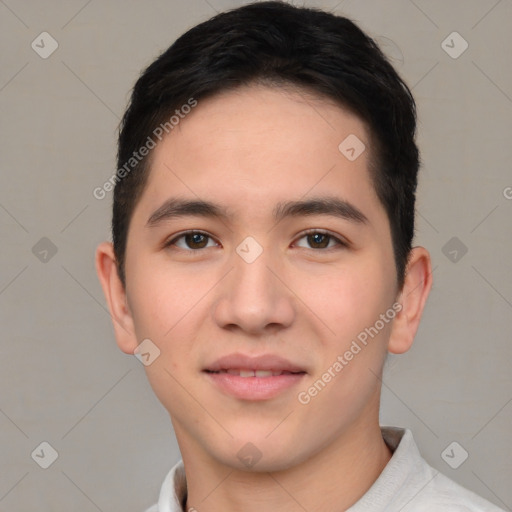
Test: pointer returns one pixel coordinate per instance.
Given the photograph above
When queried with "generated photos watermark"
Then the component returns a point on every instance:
(343, 360)
(158, 133)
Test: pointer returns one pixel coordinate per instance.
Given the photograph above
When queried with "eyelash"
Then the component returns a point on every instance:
(340, 243)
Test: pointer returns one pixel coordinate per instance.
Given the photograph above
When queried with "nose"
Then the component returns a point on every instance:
(253, 297)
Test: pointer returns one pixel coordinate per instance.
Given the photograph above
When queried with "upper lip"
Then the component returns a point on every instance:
(262, 362)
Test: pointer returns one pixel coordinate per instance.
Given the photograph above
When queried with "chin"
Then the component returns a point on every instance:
(265, 464)
(259, 454)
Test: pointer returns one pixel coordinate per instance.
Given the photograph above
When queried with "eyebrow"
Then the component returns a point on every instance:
(175, 207)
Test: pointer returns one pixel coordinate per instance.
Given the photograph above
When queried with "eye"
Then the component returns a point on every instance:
(321, 240)
(191, 240)
(196, 240)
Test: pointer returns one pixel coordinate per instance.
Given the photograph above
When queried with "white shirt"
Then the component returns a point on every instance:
(407, 484)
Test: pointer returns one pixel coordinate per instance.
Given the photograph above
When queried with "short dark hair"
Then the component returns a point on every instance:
(278, 44)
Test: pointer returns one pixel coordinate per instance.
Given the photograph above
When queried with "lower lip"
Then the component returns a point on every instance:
(255, 388)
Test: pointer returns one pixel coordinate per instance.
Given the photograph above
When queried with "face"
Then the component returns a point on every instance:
(256, 299)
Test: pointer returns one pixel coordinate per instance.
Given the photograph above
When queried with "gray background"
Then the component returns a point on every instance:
(65, 381)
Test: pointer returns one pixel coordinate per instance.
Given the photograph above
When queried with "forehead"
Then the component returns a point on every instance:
(256, 146)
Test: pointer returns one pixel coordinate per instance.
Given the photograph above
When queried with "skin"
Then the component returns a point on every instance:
(249, 150)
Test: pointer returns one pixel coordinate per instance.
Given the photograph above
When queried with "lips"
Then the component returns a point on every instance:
(248, 366)
(254, 378)
(255, 373)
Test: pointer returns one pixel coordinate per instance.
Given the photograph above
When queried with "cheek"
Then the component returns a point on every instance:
(162, 300)
(346, 379)
(353, 298)
(165, 309)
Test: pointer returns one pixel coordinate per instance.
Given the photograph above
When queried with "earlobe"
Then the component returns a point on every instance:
(417, 285)
(115, 295)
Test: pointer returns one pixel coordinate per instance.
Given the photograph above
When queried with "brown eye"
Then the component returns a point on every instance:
(320, 240)
(194, 240)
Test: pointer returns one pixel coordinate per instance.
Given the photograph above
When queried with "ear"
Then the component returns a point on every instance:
(106, 268)
(412, 298)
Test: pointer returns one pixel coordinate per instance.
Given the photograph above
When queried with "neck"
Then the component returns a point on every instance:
(331, 480)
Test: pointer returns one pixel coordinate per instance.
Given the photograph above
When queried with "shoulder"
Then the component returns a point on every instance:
(409, 484)
(442, 493)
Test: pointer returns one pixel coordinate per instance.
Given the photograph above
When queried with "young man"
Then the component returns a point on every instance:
(262, 265)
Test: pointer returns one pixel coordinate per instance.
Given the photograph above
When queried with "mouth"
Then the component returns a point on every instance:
(254, 373)
(254, 378)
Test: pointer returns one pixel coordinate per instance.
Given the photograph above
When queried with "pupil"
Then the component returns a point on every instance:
(195, 239)
(317, 239)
